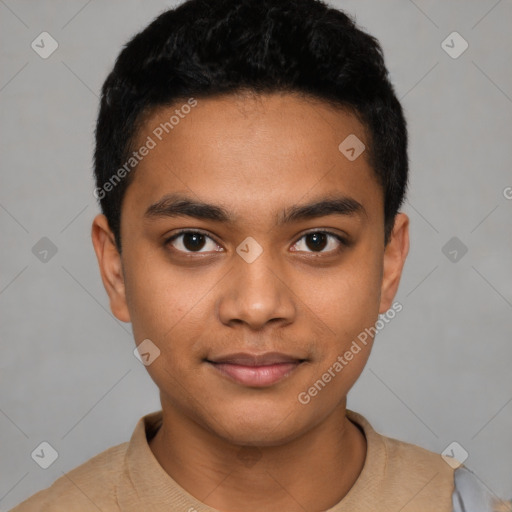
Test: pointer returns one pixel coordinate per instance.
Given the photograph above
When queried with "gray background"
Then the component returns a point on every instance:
(439, 372)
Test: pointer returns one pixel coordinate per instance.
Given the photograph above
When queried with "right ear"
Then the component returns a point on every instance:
(109, 261)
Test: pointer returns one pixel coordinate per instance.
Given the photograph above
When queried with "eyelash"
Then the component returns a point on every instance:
(342, 240)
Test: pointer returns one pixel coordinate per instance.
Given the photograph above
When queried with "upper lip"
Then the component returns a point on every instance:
(246, 359)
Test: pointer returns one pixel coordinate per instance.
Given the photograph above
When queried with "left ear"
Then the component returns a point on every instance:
(395, 254)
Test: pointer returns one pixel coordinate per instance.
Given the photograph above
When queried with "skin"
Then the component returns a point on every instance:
(255, 156)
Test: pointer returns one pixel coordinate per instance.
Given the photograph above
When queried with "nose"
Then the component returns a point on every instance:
(255, 294)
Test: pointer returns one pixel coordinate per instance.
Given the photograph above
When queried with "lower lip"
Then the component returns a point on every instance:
(256, 376)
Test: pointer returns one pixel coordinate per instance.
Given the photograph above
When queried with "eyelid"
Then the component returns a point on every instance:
(172, 237)
(189, 230)
(344, 239)
(326, 231)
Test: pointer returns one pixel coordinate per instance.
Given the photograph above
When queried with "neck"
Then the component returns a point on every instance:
(312, 472)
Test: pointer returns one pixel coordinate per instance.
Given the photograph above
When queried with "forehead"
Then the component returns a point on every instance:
(254, 151)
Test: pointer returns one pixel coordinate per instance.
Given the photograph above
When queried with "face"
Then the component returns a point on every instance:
(247, 231)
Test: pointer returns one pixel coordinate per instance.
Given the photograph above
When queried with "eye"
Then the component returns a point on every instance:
(317, 241)
(188, 241)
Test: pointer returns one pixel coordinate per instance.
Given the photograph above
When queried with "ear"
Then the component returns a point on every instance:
(109, 261)
(395, 254)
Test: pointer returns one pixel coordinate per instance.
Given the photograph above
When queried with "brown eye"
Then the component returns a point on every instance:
(317, 241)
(192, 241)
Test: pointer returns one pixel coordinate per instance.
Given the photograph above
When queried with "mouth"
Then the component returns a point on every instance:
(258, 371)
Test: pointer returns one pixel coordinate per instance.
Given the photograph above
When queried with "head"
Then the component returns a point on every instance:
(239, 120)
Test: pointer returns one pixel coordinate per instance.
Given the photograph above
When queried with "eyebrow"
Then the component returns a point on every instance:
(175, 205)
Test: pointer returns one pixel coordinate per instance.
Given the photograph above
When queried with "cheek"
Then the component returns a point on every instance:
(169, 306)
(349, 299)
(157, 296)
(340, 308)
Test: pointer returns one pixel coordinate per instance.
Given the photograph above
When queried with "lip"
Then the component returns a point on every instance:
(247, 359)
(256, 370)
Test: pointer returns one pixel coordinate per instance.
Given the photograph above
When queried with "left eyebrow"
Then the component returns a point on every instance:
(176, 205)
(340, 205)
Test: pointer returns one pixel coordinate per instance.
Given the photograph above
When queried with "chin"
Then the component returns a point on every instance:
(260, 430)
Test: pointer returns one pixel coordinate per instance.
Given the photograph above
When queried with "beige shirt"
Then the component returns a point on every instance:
(396, 476)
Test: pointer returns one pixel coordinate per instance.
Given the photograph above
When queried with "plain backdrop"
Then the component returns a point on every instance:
(440, 371)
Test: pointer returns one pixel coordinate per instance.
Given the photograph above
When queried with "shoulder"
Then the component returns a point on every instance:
(423, 475)
(404, 473)
(90, 486)
(400, 457)
(419, 456)
(416, 460)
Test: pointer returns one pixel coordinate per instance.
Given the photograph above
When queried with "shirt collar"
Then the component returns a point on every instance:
(144, 484)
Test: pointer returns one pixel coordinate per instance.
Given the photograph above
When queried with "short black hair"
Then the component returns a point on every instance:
(208, 48)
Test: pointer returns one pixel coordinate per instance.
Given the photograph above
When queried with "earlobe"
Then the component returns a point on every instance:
(395, 255)
(109, 261)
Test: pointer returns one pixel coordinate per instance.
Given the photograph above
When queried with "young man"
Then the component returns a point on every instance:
(251, 160)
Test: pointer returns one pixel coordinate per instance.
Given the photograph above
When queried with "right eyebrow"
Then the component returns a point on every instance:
(175, 205)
